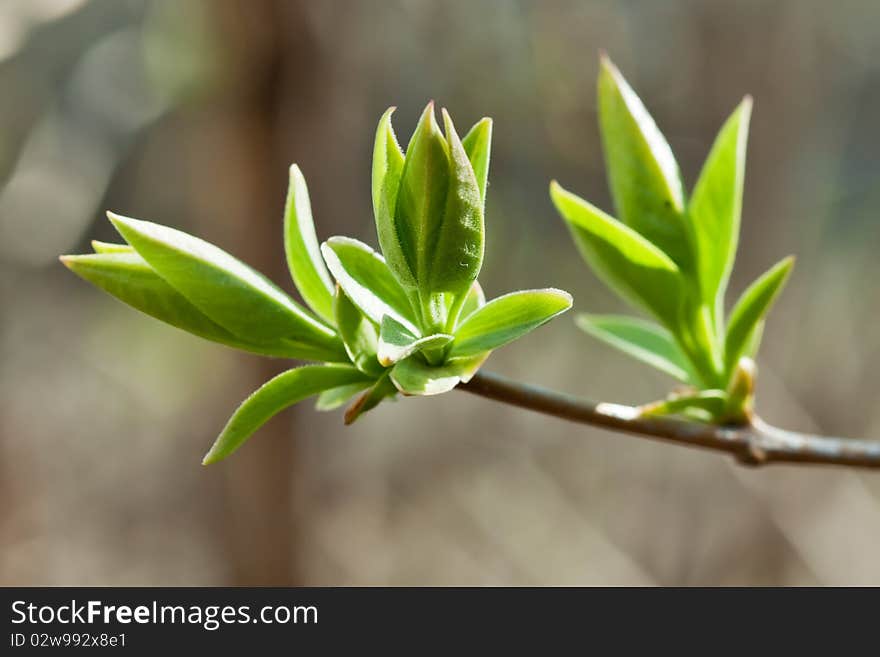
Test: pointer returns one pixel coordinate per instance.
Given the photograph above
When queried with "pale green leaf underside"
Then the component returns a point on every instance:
(273, 397)
(750, 310)
(225, 289)
(358, 334)
(643, 174)
(414, 377)
(330, 400)
(396, 342)
(475, 299)
(624, 260)
(715, 207)
(388, 163)
(367, 280)
(109, 247)
(507, 318)
(303, 251)
(645, 341)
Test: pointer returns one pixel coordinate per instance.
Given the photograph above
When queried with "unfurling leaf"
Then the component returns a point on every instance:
(507, 318)
(226, 290)
(367, 280)
(751, 309)
(109, 247)
(330, 400)
(284, 390)
(640, 339)
(475, 299)
(388, 161)
(642, 171)
(396, 342)
(711, 403)
(413, 376)
(303, 251)
(715, 208)
(627, 262)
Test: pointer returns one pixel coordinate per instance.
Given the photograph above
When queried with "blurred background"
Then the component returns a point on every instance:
(189, 112)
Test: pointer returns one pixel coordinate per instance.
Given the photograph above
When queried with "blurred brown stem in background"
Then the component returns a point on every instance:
(753, 444)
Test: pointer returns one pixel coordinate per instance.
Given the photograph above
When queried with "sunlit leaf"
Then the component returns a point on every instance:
(358, 334)
(396, 342)
(128, 277)
(303, 252)
(109, 247)
(645, 341)
(642, 171)
(475, 299)
(624, 260)
(715, 208)
(388, 161)
(366, 279)
(273, 397)
(478, 146)
(226, 290)
(507, 318)
(415, 377)
(751, 309)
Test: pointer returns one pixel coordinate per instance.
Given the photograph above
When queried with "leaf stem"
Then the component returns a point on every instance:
(755, 443)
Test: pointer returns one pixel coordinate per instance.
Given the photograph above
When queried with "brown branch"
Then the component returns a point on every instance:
(754, 444)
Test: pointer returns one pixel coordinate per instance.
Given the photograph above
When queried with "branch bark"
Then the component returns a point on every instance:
(753, 444)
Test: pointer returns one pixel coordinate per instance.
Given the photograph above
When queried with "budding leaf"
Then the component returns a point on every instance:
(108, 247)
(716, 205)
(750, 309)
(642, 171)
(381, 389)
(627, 262)
(478, 146)
(388, 162)
(273, 397)
(413, 376)
(507, 318)
(645, 341)
(302, 249)
(475, 299)
(358, 334)
(712, 403)
(225, 289)
(396, 342)
(366, 279)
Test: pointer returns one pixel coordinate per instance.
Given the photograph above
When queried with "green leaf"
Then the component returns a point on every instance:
(624, 260)
(302, 249)
(643, 174)
(226, 290)
(367, 280)
(372, 397)
(640, 339)
(711, 402)
(751, 308)
(388, 162)
(475, 299)
(478, 146)
(331, 399)
(413, 376)
(358, 334)
(273, 397)
(396, 342)
(108, 247)
(507, 318)
(421, 202)
(128, 277)
(715, 208)
(456, 256)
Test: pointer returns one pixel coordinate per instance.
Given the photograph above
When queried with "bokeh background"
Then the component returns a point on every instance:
(189, 113)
